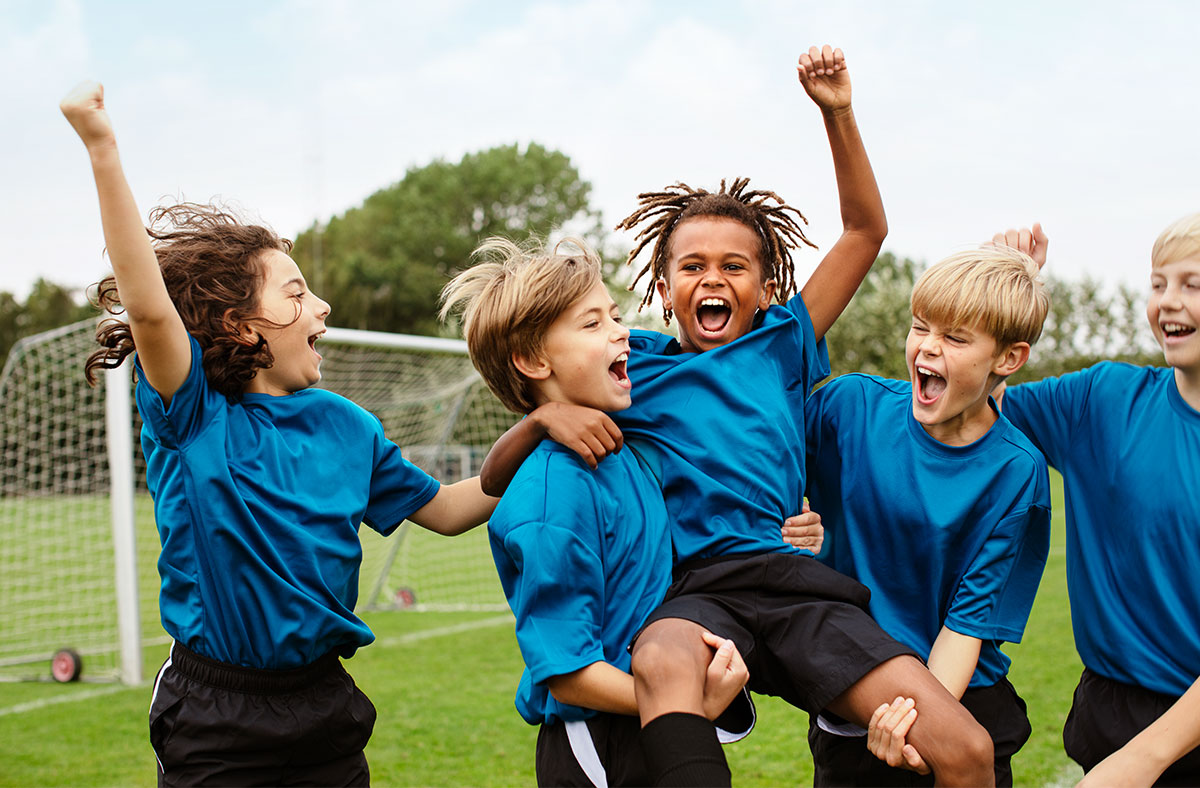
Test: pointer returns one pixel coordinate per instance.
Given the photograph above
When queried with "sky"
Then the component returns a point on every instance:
(976, 116)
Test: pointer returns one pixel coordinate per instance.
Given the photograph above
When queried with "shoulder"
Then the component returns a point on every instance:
(552, 484)
(1020, 448)
(643, 340)
(859, 386)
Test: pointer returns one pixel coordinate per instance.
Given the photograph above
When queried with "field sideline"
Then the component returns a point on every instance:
(443, 686)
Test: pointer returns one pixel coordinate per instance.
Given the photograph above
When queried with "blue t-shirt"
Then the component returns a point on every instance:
(724, 430)
(953, 536)
(1128, 448)
(258, 505)
(583, 557)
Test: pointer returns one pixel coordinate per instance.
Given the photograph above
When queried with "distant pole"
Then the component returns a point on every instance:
(118, 420)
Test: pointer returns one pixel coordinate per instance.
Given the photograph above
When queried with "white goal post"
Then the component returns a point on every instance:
(78, 546)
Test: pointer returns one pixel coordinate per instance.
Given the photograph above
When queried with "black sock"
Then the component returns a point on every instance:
(682, 749)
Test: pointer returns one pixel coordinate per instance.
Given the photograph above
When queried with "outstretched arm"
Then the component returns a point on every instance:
(588, 432)
(456, 508)
(158, 332)
(1160, 744)
(864, 225)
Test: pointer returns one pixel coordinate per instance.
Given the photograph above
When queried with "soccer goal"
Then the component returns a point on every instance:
(78, 546)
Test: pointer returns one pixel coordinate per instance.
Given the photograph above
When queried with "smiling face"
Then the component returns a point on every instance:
(714, 281)
(1173, 310)
(583, 358)
(953, 370)
(285, 300)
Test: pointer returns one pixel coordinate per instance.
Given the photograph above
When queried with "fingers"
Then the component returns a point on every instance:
(887, 729)
(825, 61)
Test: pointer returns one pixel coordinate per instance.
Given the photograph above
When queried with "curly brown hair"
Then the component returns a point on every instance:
(764, 212)
(210, 263)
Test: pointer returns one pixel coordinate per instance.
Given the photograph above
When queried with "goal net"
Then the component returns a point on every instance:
(70, 542)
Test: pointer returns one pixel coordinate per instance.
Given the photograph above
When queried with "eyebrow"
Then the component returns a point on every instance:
(295, 280)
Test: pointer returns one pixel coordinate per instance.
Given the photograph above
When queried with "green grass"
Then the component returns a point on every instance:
(443, 685)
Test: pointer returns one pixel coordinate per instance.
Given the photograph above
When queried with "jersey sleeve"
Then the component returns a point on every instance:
(995, 595)
(1049, 412)
(398, 488)
(175, 425)
(815, 354)
(556, 597)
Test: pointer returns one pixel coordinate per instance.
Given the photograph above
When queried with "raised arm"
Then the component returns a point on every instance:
(864, 225)
(158, 331)
(588, 432)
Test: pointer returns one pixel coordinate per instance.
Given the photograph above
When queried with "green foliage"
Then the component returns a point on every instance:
(47, 306)
(383, 264)
(1086, 324)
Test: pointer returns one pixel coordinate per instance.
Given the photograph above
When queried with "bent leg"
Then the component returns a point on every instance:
(951, 741)
(669, 664)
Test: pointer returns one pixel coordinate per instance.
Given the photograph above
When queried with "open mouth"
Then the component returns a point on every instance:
(617, 371)
(312, 342)
(713, 315)
(1177, 330)
(930, 385)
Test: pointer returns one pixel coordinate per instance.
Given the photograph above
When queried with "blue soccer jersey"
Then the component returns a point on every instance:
(1128, 448)
(258, 504)
(583, 557)
(724, 430)
(953, 536)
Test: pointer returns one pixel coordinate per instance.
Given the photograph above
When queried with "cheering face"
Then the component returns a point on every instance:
(951, 370)
(584, 356)
(1174, 312)
(285, 300)
(714, 281)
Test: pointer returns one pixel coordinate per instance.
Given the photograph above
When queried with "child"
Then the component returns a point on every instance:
(935, 502)
(1127, 442)
(583, 556)
(259, 485)
(716, 414)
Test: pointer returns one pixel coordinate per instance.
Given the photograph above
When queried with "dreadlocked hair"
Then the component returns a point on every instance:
(210, 263)
(777, 225)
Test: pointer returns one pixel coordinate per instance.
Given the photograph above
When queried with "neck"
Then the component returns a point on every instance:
(967, 427)
(1188, 382)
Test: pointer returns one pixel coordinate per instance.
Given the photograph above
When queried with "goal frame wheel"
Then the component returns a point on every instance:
(66, 665)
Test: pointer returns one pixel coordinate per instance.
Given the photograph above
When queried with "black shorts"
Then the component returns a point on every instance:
(604, 750)
(845, 760)
(802, 628)
(1106, 714)
(212, 723)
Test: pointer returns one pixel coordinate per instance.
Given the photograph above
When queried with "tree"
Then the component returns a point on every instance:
(48, 306)
(382, 265)
(869, 336)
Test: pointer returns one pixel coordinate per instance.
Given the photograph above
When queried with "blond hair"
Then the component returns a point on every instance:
(508, 301)
(1180, 241)
(993, 288)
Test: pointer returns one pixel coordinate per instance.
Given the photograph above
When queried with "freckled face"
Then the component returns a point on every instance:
(714, 282)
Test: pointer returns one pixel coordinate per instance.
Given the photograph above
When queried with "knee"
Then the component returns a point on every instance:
(661, 656)
(969, 760)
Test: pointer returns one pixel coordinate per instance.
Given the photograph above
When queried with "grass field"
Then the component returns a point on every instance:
(443, 686)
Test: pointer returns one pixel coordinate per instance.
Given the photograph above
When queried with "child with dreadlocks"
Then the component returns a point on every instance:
(718, 416)
(259, 484)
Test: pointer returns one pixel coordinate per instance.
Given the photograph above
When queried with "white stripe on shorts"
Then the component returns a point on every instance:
(154, 695)
(584, 750)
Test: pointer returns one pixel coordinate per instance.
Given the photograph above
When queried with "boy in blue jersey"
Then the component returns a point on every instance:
(583, 556)
(935, 502)
(1127, 442)
(260, 483)
(718, 415)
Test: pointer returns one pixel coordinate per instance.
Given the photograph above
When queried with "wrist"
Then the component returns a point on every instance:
(843, 112)
(103, 151)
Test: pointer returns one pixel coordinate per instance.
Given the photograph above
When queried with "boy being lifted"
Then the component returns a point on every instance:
(583, 556)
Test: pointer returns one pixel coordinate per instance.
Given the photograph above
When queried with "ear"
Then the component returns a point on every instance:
(1010, 359)
(768, 293)
(243, 333)
(532, 368)
(664, 292)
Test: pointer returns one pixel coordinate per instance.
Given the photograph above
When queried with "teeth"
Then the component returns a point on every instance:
(713, 302)
(621, 357)
(929, 372)
(1172, 328)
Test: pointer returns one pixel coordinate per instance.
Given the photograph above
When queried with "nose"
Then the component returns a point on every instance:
(930, 345)
(323, 308)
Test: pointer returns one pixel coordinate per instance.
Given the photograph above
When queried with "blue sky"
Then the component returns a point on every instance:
(976, 116)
